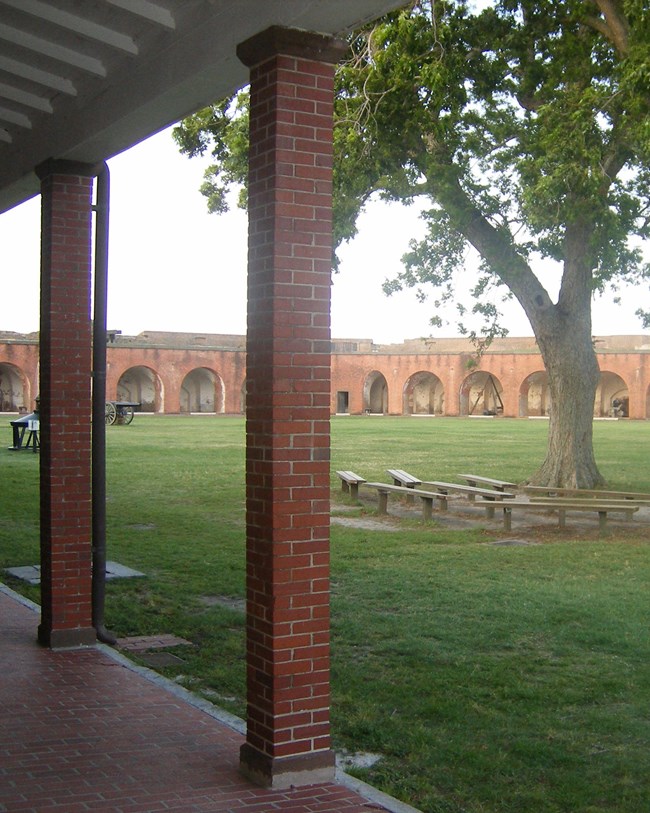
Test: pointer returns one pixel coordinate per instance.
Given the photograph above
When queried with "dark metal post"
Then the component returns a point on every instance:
(99, 408)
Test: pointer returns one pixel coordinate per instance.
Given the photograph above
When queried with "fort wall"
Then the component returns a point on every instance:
(182, 373)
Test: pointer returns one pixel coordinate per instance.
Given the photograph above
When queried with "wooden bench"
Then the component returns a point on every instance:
(601, 508)
(585, 492)
(626, 505)
(427, 497)
(497, 485)
(404, 479)
(471, 492)
(350, 483)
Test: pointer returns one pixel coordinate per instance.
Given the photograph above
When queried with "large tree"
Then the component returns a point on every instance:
(524, 125)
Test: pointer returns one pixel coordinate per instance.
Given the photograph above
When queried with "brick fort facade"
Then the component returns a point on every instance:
(176, 373)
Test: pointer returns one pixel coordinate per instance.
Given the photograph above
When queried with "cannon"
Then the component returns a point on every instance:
(120, 412)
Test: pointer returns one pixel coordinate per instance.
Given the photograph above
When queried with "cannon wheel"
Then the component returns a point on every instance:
(110, 414)
(126, 415)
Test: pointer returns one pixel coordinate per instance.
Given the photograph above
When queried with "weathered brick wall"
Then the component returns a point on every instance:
(170, 365)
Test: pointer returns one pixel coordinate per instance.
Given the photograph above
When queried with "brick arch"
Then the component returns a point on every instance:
(14, 388)
(375, 393)
(142, 385)
(202, 390)
(423, 394)
(481, 394)
(534, 398)
(611, 388)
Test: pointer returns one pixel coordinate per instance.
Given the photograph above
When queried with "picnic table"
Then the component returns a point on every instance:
(26, 425)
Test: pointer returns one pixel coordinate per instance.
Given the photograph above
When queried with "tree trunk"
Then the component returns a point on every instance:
(573, 376)
(562, 330)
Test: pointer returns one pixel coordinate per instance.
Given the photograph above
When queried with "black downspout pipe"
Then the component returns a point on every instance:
(98, 454)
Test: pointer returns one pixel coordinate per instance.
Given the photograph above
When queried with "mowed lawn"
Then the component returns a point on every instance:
(488, 678)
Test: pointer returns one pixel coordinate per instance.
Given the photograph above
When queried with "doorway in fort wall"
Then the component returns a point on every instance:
(141, 385)
(423, 395)
(612, 397)
(534, 398)
(202, 390)
(14, 389)
(480, 394)
(375, 394)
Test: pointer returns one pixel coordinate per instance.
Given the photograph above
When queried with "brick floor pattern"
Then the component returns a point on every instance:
(81, 732)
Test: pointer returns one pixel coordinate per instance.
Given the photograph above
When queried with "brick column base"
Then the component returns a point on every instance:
(285, 772)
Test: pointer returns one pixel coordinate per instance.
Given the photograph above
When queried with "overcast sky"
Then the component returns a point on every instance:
(174, 267)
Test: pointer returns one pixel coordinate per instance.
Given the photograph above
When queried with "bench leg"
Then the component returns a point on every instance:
(602, 522)
(383, 502)
(345, 487)
(507, 518)
(489, 511)
(427, 507)
(409, 497)
(354, 491)
(561, 518)
(442, 502)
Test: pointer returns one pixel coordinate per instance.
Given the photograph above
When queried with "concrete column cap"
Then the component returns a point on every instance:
(291, 42)
(61, 166)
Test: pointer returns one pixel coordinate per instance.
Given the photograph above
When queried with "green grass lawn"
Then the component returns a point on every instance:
(490, 679)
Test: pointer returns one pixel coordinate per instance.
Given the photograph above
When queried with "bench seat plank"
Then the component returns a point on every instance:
(403, 478)
(497, 485)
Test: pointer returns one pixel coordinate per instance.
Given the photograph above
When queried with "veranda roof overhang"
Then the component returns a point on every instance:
(83, 80)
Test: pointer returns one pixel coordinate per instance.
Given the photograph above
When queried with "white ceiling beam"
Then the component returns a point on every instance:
(52, 50)
(148, 10)
(39, 77)
(20, 119)
(25, 98)
(72, 22)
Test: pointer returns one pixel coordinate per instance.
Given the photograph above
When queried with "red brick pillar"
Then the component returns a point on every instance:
(65, 404)
(288, 395)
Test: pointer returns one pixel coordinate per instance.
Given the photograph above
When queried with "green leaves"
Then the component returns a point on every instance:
(223, 130)
(515, 121)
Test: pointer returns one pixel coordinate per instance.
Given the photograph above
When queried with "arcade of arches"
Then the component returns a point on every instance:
(183, 373)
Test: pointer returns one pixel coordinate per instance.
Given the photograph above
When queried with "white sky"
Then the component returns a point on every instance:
(174, 267)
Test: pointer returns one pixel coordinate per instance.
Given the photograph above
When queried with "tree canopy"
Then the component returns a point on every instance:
(525, 125)
(525, 128)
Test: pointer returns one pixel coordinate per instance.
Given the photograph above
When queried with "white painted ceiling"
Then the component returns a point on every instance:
(85, 79)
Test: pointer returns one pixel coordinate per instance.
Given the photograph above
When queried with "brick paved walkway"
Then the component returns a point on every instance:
(81, 731)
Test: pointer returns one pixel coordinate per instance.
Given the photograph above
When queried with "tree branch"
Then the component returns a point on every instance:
(497, 249)
(614, 26)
